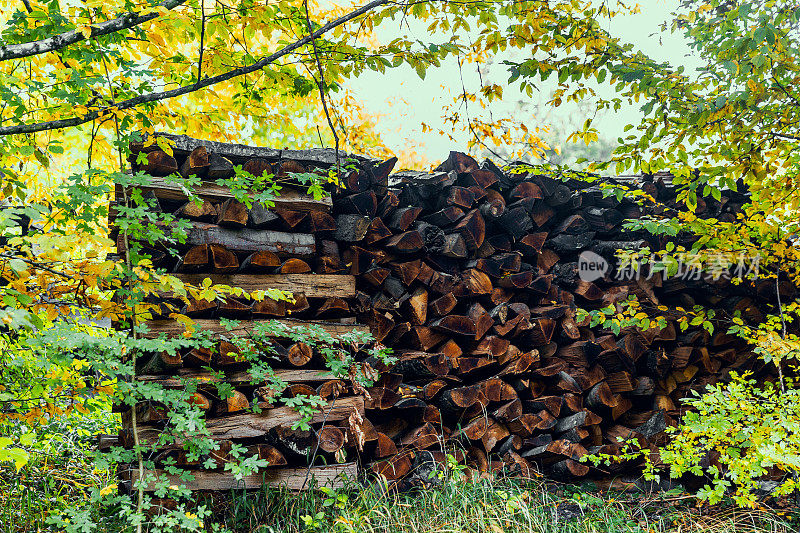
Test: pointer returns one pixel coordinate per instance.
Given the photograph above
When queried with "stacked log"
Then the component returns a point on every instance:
(252, 248)
(470, 274)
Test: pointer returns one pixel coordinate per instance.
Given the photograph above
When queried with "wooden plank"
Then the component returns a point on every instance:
(251, 425)
(236, 377)
(312, 285)
(168, 189)
(251, 240)
(333, 476)
(239, 153)
(254, 425)
(172, 327)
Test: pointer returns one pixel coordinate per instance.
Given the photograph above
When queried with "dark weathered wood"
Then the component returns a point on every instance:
(320, 222)
(232, 214)
(330, 439)
(234, 308)
(299, 354)
(239, 153)
(525, 190)
(223, 261)
(442, 306)
(455, 325)
(196, 258)
(333, 308)
(333, 388)
(473, 229)
(376, 232)
(268, 453)
(459, 162)
(294, 266)
(258, 167)
(394, 468)
(261, 261)
(219, 166)
(198, 357)
(418, 306)
(516, 222)
(205, 212)
(159, 163)
(445, 217)
(454, 246)
(250, 240)
(402, 218)
(196, 163)
(262, 217)
(406, 243)
(289, 166)
(351, 228)
(291, 220)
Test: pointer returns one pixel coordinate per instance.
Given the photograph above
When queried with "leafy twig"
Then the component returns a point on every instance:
(186, 89)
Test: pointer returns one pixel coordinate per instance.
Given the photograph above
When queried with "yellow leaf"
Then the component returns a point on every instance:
(157, 39)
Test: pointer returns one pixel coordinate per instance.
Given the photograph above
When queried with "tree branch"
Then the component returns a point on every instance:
(784, 135)
(56, 42)
(186, 89)
(202, 38)
(321, 86)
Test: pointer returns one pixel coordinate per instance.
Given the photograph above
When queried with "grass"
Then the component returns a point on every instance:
(492, 507)
(61, 476)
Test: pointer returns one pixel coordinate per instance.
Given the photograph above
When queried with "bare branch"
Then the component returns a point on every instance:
(186, 89)
(56, 42)
(320, 85)
(202, 38)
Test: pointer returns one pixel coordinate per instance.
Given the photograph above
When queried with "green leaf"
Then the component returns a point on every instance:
(17, 265)
(17, 455)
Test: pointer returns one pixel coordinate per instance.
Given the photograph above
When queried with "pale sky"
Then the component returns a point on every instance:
(405, 101)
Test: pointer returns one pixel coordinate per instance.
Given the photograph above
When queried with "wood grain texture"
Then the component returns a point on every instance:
(169, 190)
(333, 476)
(239, 153)
(236, 377)
(251, 240)
(312, 285)
(171, 327)
(254, 425)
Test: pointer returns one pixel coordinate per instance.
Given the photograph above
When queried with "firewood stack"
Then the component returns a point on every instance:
(253, 249)
(470, 274)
